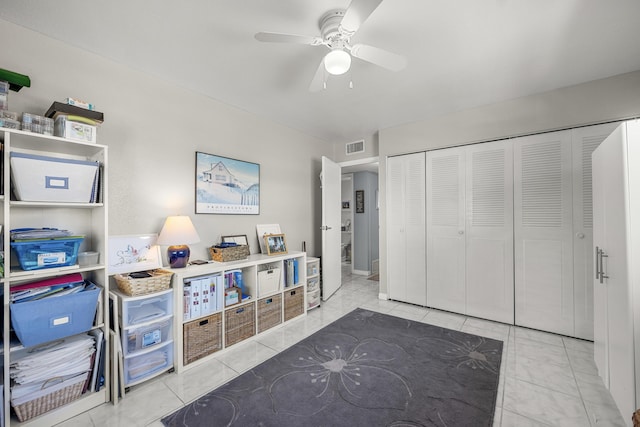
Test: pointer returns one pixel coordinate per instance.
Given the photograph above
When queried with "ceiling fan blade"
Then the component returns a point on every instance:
(358, 12)
(381, 57)
(288, 38)
(317, 84)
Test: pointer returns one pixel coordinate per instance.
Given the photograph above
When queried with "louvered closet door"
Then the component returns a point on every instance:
(396, 250)
(543, 232)
(415, 228)
(585, 140)
(489, 231)
(406, 251)
(446, 263)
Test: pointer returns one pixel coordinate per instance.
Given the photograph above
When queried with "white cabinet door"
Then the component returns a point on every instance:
(615, 342)
(600, 316)
(489, 231)
(543, 232)
(584, 141)
(406, 256)
(446, 265)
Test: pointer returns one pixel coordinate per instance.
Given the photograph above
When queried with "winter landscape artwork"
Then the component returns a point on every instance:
(226, 186)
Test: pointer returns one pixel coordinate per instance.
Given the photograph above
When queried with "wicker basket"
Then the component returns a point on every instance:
(293, 303)
(58, 397)
(202, 337)
(159, 281)
(232, 253)
(269, 312)
(239, 323)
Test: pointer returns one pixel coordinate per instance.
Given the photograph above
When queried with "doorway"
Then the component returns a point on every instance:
(360, 217)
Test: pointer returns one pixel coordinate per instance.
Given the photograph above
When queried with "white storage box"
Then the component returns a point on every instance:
(75, 130)
(51, 179)
(146, 308)
(268, 281)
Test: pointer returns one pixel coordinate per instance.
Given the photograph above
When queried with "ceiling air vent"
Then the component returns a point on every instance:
(355, 147)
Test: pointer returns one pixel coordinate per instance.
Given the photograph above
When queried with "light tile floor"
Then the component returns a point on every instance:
(545, 379)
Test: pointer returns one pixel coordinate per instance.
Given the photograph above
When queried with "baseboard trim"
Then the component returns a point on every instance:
(361, 273)
(383, 296)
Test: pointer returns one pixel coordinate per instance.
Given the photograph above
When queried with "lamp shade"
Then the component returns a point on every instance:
(178, 230)
(337, 62)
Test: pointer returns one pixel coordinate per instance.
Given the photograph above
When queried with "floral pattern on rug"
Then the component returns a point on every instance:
(364, 369)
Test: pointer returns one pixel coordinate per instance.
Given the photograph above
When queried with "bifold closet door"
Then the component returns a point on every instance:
(446, 264)
(406, 253)
(489, 231)
(470, 230)
(543, 232)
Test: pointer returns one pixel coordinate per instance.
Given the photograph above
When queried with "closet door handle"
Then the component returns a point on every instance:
(597, 267)
(602, 275)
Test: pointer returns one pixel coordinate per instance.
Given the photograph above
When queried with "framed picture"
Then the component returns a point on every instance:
(359, 201)
(130, 253)
(275, 244)
(226, 186)
(240, 239)
(264, 229)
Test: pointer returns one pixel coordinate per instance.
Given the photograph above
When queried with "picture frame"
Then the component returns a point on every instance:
(359, 201)
(240, 239)
(226, 186)
(276, 244)
(264, 229)
(134, 252)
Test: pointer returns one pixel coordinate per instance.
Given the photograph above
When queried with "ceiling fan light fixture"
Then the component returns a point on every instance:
(337, 62)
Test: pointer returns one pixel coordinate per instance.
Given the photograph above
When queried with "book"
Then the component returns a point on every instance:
(196, 299)
(186, 302)
(205, 290)
(98, 336)
(61, 108)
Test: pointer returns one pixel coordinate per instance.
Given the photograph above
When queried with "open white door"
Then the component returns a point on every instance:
(331, 232)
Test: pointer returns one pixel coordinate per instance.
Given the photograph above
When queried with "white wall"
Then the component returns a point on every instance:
(608, 99)
(153, 128)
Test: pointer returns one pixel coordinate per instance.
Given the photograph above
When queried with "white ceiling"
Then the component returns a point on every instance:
(461, 54)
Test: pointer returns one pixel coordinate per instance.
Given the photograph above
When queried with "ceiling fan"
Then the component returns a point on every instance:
(336, 28)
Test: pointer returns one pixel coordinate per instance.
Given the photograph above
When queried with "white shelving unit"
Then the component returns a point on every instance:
(197, 339)
(86, 219)
(313, 282)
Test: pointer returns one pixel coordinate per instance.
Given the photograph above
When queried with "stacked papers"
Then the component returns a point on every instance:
(59, 362)
(38, 233)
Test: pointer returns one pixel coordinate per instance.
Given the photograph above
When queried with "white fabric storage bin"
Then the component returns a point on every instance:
(51, 179)
(268, 281)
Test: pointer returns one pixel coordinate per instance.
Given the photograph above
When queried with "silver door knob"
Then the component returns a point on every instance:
(580, 235)
(461, 232)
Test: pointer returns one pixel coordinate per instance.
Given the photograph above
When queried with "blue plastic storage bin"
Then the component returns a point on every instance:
(48, 319)
(37, 254)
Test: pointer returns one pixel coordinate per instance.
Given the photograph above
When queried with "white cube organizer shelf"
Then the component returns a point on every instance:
(273, 301)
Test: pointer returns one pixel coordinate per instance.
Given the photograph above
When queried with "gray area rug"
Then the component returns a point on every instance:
(364, 369)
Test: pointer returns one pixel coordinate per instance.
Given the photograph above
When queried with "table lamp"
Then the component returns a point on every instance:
(177, 232)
